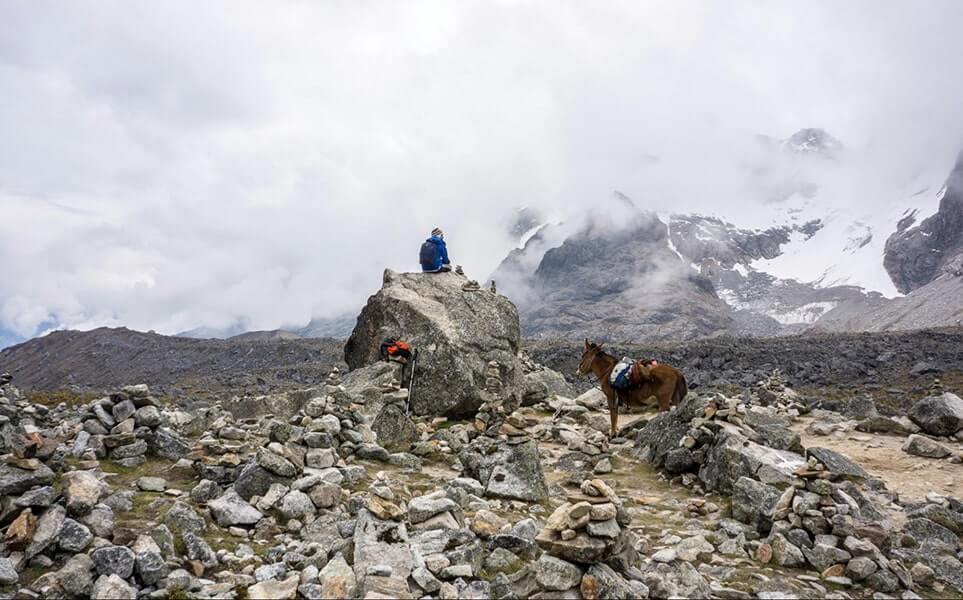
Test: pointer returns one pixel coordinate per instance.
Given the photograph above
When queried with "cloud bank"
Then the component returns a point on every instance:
(174, 165)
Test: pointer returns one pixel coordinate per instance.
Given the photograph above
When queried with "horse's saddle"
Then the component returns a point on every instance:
(630, 373)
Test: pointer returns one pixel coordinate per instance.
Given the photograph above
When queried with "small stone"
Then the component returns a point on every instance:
(860, 568)
(274, 463)
(76, 577)
(325, 495)
(422, 508)
(116, 560)
(133, 450)
(47, 531)
(199, 550)
(486, 523)
(555, 574)
(603, 512)
(296, 505)
(112, 587)
(785, 554)
(923, 575)
(691, 548)
(152, 484)
(606, 529)
(82, 490)
(8, 573)
(74, 537)
(20, 531)
(665, 555)
(274, 589)
(834, 571)
(822, 556)
(456, 571)
(337, 579)
(383, 509)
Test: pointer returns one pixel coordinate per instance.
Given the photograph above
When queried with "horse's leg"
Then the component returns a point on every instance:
(613, 411)
(665, 395)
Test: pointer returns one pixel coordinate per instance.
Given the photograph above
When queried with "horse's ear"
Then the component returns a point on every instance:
(587, 344)
(599, 346)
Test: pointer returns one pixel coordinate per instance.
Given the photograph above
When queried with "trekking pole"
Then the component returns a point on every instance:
(411, 382)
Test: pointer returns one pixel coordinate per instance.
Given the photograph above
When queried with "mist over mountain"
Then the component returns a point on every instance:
(638, 275)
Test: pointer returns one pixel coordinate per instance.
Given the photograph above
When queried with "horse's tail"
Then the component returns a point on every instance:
(681, 389)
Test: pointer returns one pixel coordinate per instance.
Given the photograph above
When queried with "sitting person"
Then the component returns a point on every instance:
(434, 253)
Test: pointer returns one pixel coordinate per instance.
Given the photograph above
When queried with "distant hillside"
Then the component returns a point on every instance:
(106, 358)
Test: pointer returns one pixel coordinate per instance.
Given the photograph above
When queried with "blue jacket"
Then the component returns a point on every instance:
(432, 261)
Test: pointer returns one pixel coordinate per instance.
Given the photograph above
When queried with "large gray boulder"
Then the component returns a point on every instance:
(456, 332)
(939, 415)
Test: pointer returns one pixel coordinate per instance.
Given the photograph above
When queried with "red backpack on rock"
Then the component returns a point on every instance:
(397, 349)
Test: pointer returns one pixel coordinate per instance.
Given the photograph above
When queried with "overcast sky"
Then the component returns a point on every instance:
(168, 165)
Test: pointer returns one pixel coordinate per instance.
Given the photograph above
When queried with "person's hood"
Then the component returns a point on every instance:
(436, 240)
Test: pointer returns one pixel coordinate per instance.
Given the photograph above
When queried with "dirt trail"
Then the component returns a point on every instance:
(911, 476)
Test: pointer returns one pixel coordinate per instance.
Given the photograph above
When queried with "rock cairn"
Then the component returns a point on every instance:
(126, 427)
(587, 527)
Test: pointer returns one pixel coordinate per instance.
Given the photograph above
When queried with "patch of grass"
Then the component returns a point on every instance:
(53, 398)
(226, 542)
(152, 467)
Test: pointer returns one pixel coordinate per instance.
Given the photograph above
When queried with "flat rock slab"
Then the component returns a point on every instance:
(581, 549)
(837, 463)
(15, 481)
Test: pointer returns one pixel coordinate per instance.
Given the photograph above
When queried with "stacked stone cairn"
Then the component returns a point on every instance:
(126, 427)
(491, 414)
(579, 537)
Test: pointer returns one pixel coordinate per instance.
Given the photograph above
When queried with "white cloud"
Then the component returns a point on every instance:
(171, 165)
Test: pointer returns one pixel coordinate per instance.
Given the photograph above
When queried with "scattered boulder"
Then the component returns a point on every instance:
(231, 509)
(939, 415)
(919, 445)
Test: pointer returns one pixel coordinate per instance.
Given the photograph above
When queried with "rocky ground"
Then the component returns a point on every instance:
(338, 490)
(718, 498)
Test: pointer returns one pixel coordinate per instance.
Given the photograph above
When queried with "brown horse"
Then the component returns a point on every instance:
(666, 383)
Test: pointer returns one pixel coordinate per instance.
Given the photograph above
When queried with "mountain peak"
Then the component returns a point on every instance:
(812, 140)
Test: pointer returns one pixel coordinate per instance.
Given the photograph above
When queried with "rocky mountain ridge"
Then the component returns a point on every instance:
(816, 267)
(107, 358)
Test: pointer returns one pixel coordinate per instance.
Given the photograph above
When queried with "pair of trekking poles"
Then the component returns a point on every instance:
(411, 380)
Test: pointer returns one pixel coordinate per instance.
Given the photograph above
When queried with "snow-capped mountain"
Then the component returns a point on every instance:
(815, 245)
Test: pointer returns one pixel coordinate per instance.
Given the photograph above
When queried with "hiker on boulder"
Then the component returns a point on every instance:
(434, 253)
